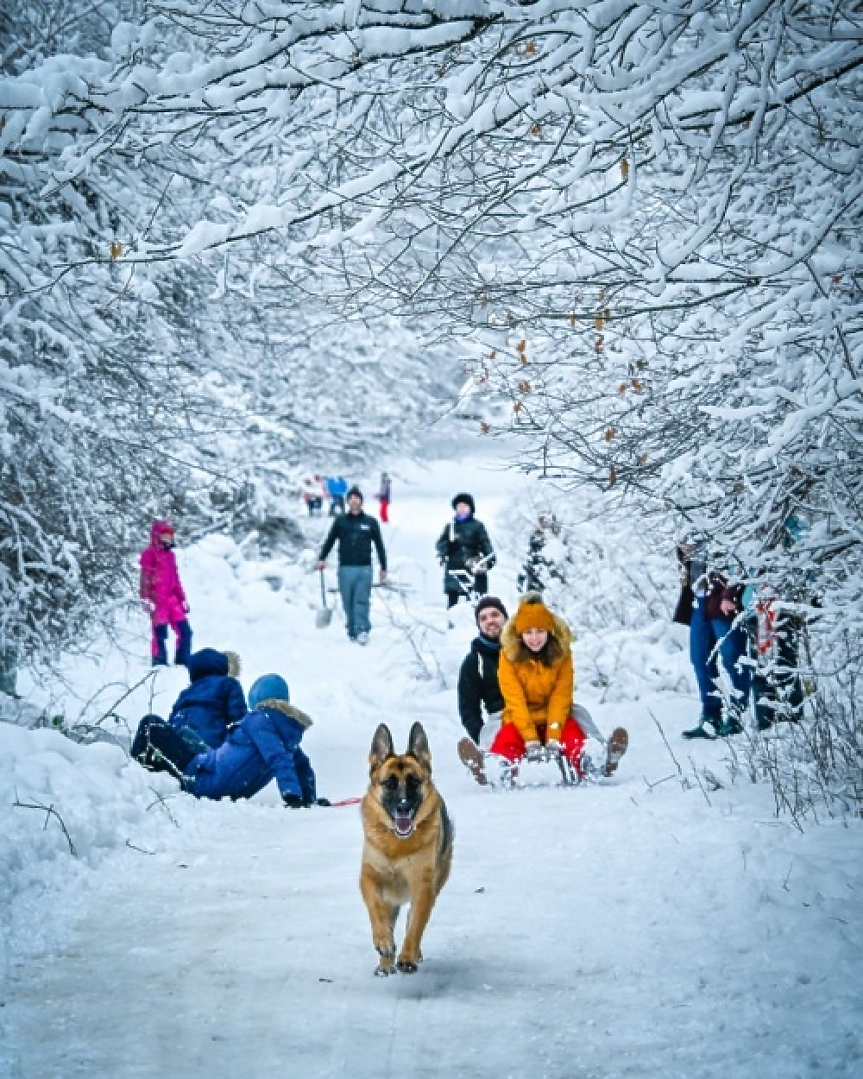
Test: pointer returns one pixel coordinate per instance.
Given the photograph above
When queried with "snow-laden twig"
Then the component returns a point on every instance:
(49, 812)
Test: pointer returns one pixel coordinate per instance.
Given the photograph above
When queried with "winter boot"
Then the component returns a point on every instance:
(729, 726)
(616, 746)
(703, 728)
(473, 759)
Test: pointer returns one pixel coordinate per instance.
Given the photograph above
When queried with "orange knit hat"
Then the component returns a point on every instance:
(532, 614)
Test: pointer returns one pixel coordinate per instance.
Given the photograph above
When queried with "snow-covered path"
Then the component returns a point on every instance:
(645, 927)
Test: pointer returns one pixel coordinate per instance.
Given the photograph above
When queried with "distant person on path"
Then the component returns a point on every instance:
(313, 495)
(263, 746)
(355, 532)
(163, 596)
(465, 552)
(337, 488)
(709, 605)
(535, 678)
(384, 496)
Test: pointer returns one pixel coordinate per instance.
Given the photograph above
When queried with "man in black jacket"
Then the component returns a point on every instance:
(355, 532)
(465, 551)
(478, 685)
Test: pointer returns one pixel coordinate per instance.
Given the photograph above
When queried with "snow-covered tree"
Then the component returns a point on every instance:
(641, 220)
(132, 387)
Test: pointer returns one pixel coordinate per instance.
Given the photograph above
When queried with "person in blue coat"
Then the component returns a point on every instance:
(214, 701)
(337, 488)
(263, 746)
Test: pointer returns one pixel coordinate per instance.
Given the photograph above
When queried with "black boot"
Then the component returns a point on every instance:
(707, 727)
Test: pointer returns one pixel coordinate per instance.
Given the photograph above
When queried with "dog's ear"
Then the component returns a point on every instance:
(382, 746)
(418, 745)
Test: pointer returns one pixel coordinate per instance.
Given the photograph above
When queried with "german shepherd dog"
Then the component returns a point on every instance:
(407, 851)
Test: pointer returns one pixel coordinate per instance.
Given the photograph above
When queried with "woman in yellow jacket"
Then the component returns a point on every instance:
(536, 678)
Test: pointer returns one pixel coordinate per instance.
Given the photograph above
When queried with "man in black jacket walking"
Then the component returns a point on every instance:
(355, 532)
(465, 552)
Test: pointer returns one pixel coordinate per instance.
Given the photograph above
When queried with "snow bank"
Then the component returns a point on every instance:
(60, 800)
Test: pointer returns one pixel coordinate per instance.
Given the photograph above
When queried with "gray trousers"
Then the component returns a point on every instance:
(355, 586)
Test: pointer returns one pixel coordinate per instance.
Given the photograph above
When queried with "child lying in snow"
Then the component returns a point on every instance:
(263, 746)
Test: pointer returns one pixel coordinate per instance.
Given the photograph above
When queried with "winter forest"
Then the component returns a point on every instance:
(616, 244)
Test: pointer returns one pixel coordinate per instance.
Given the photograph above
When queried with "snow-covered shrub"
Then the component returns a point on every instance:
(614, 582)
(815, 767)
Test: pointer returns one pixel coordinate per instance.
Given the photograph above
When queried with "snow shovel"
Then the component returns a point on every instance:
(324, 615)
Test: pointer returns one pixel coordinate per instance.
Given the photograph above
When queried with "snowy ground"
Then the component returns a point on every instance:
(645, 927)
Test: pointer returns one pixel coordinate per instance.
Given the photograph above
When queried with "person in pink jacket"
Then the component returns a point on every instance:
(163, 595)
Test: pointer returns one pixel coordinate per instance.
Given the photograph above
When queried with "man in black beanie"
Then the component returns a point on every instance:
(478, 686)
(355, 532)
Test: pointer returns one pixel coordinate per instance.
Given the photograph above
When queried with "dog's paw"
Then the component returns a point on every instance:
(406, 966)
(384, 969)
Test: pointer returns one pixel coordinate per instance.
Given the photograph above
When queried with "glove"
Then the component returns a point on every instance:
(553, 747)
(533, 750)
(323, 802)
(293, 802)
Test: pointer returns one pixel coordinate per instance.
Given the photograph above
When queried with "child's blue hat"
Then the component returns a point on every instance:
(269, 687)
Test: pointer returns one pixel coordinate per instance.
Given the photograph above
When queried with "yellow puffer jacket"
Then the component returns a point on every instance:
(532, 692)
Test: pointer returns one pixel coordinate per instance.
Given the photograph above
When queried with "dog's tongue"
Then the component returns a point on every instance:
(404, 825)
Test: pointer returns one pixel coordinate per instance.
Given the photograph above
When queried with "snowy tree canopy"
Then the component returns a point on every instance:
(130, 388)
(642, 220)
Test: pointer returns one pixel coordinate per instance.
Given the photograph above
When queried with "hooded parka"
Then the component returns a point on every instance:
(535, 694)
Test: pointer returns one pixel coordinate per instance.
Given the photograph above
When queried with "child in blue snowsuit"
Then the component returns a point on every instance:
(203, 712)
(263, 746)
(214, 701)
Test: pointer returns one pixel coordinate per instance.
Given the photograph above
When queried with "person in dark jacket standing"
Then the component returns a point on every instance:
(355, 532)
(263, 746)
(464, 548)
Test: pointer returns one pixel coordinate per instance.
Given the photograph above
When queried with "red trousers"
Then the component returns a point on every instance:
(385, 510)
(508, 742)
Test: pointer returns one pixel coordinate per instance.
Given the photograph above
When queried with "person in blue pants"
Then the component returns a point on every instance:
(355, 532)
(710, 606)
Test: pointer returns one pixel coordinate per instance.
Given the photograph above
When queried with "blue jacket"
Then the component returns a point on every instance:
(212, 702)
(263, 746)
